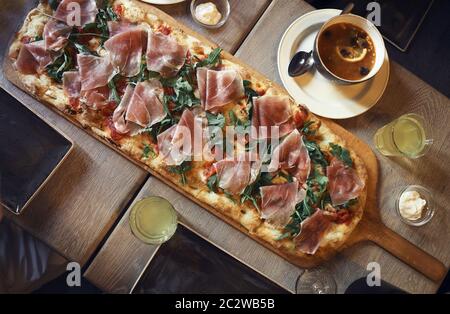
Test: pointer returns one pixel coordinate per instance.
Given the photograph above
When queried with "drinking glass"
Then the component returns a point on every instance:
(153, 220)
(408, 136)
(317, 280)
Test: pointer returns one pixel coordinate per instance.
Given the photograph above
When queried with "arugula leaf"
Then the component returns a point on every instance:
(82, 49)
(348, 204)
(54, 4)
(315, 153)
(235, 121)
(229, 196)
(184, 97)
(143, 74)
(212, 60)
(215, 120)
(306, 128)
(251, 192)
(250, 93)
(341, 153)
(158, 128)
(61, 64)
(170, 120)
(181, 170)
(105, 14)
(287, 176)
(188, 72)
(113, 88)
(212, 183)
(315, 196)
(148, 151)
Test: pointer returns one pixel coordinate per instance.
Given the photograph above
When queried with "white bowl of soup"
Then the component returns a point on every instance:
(349, 49)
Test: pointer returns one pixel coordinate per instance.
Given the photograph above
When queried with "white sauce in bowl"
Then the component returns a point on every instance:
(207, 13)
(411, 205)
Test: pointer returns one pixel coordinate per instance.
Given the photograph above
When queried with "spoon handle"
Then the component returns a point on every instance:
(348, 8)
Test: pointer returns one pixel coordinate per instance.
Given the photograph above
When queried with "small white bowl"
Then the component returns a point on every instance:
(222, 5)
(428, 211)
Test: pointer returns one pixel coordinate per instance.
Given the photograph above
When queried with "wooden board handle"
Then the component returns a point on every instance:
(408, 252)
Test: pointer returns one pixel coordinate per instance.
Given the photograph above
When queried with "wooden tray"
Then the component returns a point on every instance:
(370, 228)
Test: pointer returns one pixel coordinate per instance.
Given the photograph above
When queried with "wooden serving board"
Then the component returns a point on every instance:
(369, 229)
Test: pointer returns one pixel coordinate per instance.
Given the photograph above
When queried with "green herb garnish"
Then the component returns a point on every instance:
(315, 153)
(251, 192)
(212, 60)
(250, 93)
(54, 4)
(341, 153)
(144, 74)
(215, 120)
(148, 152)
(315, 195)
(306, 130)
(181, 170)
(62, 64)
(82, 49)
(113, 88)
(212, 183)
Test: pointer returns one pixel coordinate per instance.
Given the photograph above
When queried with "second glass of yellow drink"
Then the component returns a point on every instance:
(406, 136)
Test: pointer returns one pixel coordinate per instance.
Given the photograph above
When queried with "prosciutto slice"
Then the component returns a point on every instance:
(218, 88)
(145, 107)
(312, 231)
(343, 182)
(272, 111)
(120, 124)
(234, 175)
(67, 9)
(94, 71)
(292, 155)
(33, 58)
(164, 54)
(140, 107)
(56, 35)
(72, 84)
(125, 49)
(97, 98)
(278, 202)
(176, 143)
(117, 27)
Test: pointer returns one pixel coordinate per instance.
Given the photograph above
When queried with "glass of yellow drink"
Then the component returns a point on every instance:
(406, 136)
(153, 220)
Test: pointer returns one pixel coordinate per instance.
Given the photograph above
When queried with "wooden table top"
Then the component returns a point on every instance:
(405, 93)
(74, 218)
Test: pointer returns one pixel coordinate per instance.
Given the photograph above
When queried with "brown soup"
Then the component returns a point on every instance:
(347, 51)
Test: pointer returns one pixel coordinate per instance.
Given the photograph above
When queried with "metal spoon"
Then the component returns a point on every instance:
(302, 60)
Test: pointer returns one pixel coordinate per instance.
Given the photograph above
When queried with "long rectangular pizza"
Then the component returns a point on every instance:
(196, 117)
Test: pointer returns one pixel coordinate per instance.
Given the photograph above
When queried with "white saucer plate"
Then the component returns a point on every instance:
(322, 96)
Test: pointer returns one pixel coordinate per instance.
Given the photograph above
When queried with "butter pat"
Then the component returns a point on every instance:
(207, 13)
(411, 205)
